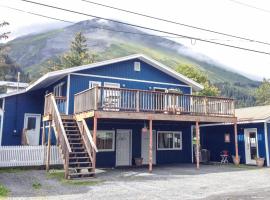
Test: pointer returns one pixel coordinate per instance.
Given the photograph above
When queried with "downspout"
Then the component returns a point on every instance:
(266, 143)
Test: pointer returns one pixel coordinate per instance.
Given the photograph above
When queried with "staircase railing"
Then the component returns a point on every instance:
(88, 140)
(52, 110)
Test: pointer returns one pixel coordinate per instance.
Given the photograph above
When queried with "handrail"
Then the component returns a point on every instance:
(60, 122)
(89, 135)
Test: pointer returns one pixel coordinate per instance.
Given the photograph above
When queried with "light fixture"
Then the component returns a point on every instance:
(144, 129)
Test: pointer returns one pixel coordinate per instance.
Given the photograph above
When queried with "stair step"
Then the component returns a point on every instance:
(80, 168)
(84, 157)
(75, 143)
(79, 176)
(77, 152)
(79, 163)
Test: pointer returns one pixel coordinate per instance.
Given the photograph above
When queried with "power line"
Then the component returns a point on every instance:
(177, 23)
(147, 28)
(250, 6)
(96, 27)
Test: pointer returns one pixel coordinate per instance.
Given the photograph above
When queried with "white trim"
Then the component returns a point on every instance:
(266, 144)
(113, 142)
(2, 121)
(130, 146)
(129, 79)
(67, 94)
(92, 82)
(248, 130)
(170, 149)
(226, 124)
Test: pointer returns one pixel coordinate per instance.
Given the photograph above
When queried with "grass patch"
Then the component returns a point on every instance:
(11, 170)
(3, 191)
(60, 176)
(36, 185)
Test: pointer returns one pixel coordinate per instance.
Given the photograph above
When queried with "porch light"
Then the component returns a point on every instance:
(144, 129)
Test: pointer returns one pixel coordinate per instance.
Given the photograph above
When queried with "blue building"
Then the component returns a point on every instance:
(101, 114)
(253, 141)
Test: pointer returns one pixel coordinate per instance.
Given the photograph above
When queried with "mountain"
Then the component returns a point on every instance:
(31, 52)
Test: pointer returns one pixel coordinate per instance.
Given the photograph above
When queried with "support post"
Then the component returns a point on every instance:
(197, 145)
(95, 141)
(43, 133)
(49, 149)
(150, 145)
(236, 141)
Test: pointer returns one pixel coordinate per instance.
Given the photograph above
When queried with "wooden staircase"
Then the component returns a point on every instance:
(74, 139)
(80, 163)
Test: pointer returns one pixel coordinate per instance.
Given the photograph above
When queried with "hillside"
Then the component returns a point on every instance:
(32, 51)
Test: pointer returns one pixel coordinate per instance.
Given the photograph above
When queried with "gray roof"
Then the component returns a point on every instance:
(256, 113)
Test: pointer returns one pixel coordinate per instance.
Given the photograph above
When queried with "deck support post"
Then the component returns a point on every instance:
(150, 145)
(236, 141)
(49, 148)
(95, 141)
(43, 133)
(197, 145)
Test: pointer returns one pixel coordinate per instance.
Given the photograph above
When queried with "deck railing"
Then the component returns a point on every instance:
(120, 99)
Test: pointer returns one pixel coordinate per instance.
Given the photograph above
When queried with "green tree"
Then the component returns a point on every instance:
(76, 56)
(200, 77)
(262, 93)
(4, 35)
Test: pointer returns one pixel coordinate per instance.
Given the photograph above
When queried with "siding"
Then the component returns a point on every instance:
(107, 159)
(15, 108)
(212, 138)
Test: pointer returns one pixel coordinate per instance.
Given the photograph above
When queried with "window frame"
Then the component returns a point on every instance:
(57, 89)
(113, 141)
(173, 133)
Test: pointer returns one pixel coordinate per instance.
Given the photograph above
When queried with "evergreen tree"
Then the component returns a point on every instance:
(262, 93)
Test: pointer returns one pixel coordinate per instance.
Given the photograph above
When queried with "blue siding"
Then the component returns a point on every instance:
(15, 108)
(125, 69)
(212, 138)
(107, 159)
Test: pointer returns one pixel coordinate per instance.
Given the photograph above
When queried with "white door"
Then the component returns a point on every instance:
(123, 148)
(251, 145)
(145, 147)
(32, 128)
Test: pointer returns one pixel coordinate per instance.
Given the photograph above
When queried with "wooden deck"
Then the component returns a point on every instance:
(118, 103)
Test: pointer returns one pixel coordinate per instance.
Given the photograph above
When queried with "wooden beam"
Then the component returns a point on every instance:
(236, 141)
(163, 117)
(43, 133)
(95, 142)
(150, 145)
(49, 148)
(197, 145)
(84, 115)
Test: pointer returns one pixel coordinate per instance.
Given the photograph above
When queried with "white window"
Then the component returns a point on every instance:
(137, 66)
(94, 84)
(105, 140)
(169, 140)
(58, 90)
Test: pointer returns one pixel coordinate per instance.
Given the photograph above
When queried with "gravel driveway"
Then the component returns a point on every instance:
(166, 182)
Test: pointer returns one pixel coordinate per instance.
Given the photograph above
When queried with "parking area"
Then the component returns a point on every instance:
(166, 182)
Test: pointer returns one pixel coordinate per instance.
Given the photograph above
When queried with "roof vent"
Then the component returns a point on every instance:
(137, 66)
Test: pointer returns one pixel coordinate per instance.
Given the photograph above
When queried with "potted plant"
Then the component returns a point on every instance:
(259, 161)
(235, 160)
(138, 161)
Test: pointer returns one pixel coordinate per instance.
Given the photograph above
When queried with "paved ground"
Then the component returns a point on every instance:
(167, 182)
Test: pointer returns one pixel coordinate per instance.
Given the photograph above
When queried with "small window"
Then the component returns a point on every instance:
(227, 138)
(169, 140)
(105, 140)
(31, 123)
(137, 66)
(58, 90)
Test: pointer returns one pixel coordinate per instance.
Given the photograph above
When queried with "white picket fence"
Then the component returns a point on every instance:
(18, 156)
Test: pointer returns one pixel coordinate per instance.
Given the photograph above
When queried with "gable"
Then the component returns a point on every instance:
(125, 69)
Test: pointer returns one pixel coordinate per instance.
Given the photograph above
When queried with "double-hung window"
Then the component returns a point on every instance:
(169, 140)
(105, 140)
(58, 90)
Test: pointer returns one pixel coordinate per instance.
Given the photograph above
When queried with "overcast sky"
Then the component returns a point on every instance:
(220, 15)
